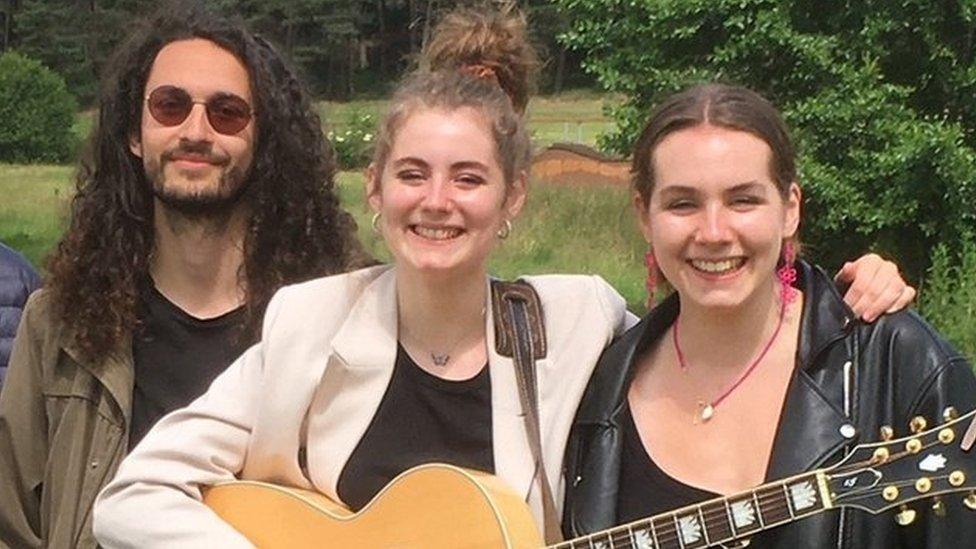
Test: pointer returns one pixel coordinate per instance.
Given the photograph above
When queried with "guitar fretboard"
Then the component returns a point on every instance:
(715, 521)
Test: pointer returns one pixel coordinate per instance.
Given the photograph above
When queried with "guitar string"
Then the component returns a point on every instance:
(865, 464)
(772, 500)
(777, 505)
(708, 515)
(899, 484)
(669, 532)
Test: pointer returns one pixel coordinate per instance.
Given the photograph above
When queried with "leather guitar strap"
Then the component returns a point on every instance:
(520, 334)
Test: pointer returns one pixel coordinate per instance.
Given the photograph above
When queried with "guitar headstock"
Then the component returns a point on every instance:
(929, 463)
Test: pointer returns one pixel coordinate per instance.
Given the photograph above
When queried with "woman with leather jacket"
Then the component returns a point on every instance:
(754, 369)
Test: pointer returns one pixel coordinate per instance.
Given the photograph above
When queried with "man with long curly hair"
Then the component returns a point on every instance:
(208, 186)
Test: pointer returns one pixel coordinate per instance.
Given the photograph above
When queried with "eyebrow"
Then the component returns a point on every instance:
(414, 161)
(408, 160)
(469, 164)
(692, 189)
(747, 186)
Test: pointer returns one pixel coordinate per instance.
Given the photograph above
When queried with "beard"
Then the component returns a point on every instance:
(215, 201)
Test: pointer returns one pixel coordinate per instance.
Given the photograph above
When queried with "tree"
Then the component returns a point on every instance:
(878, 94)
(74, 38)
(36, 112)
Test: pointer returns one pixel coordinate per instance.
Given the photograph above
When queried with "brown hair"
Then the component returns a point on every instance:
(495, 40)
(723, 105)
(467, 39)
(296, 229)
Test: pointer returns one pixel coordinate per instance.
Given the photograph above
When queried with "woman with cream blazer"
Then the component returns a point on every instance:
(323, 365)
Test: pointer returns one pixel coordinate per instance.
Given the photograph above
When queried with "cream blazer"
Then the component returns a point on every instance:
(323, 364)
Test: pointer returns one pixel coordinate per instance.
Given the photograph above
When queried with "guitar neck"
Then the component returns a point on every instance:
(718, 520)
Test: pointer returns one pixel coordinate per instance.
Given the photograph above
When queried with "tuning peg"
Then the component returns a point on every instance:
(890, 493)
(918, 424)
(887, 433)
(970, 501)
(950, 413)
(947, 435)
(938, 507)
(905, 516)
(956, 478)
(913, 446)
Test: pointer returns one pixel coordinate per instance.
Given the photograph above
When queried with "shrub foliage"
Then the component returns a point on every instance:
(36, 112)
(353, 141)
(879, 96)
(948, 295)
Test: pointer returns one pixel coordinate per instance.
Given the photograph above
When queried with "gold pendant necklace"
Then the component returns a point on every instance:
(706, 410)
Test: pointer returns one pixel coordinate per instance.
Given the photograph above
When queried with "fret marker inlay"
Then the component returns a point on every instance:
(690, 529)
(642, 539)
(743, 514)
(804, 496)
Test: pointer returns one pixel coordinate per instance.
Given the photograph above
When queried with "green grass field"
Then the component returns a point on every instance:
(562, 229)
(575, 117)
(32, 209)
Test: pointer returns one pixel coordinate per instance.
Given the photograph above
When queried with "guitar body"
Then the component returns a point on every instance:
(431, 506)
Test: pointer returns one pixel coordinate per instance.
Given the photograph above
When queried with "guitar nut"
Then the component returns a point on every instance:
(881, 455)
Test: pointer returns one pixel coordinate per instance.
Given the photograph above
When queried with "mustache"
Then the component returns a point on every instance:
(196, 150)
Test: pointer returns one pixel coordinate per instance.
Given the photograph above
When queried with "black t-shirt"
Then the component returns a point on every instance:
(645, 489)
(176, 357)
(421, 419)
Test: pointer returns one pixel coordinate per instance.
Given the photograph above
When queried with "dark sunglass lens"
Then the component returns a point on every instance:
(228, 114)
(170, 105)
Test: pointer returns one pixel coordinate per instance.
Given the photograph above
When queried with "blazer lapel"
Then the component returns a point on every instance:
(356, 376)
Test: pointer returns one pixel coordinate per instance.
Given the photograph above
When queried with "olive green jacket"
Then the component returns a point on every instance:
(64, 427)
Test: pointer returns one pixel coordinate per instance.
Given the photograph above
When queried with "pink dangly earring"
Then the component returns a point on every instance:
(651, 283)
(787, 273)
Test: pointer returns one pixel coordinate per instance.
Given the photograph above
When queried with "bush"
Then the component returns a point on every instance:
(947, 297)
(353, 144)
(879, 96)
(36, 112)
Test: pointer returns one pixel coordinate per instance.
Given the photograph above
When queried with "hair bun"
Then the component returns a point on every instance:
(486, 44)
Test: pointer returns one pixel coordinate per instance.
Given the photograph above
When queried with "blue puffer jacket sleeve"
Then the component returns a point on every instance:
(17, 280)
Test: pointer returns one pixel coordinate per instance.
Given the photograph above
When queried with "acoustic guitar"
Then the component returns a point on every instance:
(441, 506)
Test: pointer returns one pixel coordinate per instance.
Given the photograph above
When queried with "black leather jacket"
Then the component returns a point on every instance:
(847, 374)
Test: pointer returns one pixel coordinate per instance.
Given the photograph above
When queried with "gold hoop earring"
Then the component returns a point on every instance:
(506, 230)
(376, 222)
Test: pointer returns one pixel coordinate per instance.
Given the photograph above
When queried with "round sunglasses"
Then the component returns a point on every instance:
(227, 113)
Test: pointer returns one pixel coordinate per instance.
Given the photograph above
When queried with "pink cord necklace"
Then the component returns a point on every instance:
(707, 409)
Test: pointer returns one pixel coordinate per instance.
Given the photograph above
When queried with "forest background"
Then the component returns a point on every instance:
(880, 94)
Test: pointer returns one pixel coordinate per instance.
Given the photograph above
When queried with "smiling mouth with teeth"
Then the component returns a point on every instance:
(432, 233)
(718, 267)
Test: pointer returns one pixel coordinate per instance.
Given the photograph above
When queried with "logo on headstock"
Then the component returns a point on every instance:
(932, 463)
